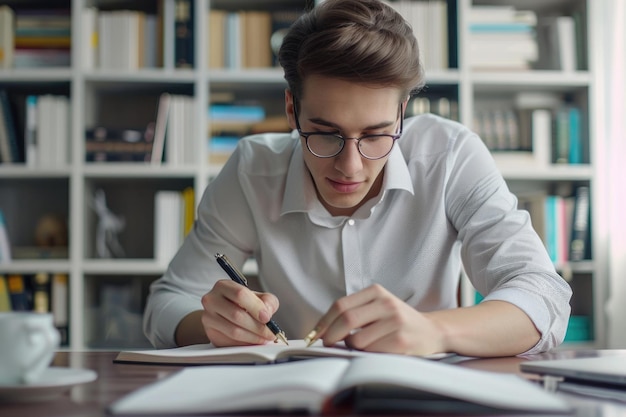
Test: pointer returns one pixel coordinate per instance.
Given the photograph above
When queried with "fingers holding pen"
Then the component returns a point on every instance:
(373, 320)
(236, 315)
(344, 317)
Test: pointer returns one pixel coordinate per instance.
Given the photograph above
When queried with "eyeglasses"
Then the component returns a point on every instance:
(328, 145)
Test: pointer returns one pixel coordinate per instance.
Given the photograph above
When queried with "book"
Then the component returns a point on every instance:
(579, 244)
(216, 24)
(541, 128)
(41, 58)
(160, 128)
(59, 305)
(41, 292)
(575, 155)
(10, 147)
(256, 47)
(328, 386)
(5, 243)
(30, 132)
(189, 209)
(166, 27)
(168, 224)
(183, 34)
(19, 293)
(5, 298)
(566, 42)
(89, 38)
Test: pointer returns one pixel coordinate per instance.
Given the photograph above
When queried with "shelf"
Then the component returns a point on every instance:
(549, 173)
(29, 266)
(123, 267)
(17, 171)
(169, 76)
(550, 80)
(136, 170)
(36, 74)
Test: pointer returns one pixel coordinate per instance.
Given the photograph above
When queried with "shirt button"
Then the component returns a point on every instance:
(351, 222)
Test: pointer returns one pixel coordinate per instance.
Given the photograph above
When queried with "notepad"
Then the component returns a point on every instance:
(205, 354)
(376, 383)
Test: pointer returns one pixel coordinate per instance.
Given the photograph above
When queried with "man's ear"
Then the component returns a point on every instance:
(291, 117)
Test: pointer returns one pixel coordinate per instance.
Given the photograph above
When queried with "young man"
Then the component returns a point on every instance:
(359, 220)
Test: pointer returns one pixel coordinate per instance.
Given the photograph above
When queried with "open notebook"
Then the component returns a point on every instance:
(369, 384)
(207, 354)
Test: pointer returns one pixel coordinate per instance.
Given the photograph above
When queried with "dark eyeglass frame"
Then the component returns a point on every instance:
(343, 139)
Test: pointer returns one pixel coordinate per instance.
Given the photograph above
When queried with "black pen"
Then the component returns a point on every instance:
(239, 278)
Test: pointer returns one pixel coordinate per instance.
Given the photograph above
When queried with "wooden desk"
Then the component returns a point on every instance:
(117, 380)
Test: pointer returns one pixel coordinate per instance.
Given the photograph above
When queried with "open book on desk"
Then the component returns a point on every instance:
(377, 383)
(269, 353)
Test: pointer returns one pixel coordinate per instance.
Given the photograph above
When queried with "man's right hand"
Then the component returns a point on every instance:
(234, 315)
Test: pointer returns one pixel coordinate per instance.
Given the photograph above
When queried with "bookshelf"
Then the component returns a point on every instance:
(101, 290)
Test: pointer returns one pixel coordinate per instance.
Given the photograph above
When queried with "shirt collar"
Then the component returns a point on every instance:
(300, 195)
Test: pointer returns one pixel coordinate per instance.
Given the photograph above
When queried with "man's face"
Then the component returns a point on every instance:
(346, 181)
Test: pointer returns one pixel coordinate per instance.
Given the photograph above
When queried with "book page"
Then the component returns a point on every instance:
(293, 386)
(207, 353)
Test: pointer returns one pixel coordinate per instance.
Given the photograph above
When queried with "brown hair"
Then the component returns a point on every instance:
(365, 41)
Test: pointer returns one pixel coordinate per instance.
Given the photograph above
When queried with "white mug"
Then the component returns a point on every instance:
(28, 342)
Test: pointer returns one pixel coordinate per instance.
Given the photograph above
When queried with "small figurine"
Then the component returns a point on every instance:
(109, 226)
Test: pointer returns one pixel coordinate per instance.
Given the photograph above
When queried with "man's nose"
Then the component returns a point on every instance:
(349, 161)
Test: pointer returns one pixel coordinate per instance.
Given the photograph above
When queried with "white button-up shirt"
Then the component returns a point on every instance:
(443, 202)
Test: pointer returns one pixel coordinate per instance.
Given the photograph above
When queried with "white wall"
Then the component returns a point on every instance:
(612, 43)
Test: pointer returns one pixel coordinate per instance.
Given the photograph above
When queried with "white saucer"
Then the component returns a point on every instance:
(53, 382)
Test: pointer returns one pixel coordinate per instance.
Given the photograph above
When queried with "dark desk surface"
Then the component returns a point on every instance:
(117, 380)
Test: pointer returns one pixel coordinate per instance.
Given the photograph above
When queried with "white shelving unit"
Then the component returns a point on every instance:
(130, 187)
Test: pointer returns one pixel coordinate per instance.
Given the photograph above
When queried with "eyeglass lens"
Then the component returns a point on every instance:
(369, 146)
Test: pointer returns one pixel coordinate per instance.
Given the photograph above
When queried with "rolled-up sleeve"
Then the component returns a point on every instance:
(502, 254)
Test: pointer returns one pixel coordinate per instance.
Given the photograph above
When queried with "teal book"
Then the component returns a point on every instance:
(575, 136)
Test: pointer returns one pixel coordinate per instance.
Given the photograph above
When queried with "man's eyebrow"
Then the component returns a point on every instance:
(323, 122)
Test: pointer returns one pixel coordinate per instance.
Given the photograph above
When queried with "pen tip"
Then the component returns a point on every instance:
(311, 338)
(282, 337)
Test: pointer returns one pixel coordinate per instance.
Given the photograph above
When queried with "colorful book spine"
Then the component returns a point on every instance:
(579, 243)
(19, 293)
(184, 36)
(5, 298)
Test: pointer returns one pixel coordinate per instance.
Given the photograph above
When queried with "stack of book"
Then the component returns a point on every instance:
(119, 145)
(35, 38)
(228, 123)
(501, 37)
